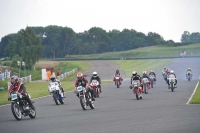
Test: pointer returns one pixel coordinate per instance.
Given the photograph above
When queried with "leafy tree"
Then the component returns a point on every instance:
(30, 47)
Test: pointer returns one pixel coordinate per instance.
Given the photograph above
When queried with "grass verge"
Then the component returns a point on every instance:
(196, 98)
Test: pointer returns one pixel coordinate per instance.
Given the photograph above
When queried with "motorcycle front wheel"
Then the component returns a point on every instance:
(16, 111)
(55, 98)
(83, 103)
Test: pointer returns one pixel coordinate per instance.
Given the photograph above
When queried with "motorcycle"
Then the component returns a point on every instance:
(152, 80)
(20, 106)
(172, 82)
(189, 76)
(85, 98)
(117, 81)
(136, 90)
(145, 83)
(55, 90)
(94, 84)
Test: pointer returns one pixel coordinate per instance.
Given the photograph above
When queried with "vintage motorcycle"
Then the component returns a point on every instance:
(152, 80)
(136, 90)
(118, 81)
(189, 76)
(145, 83)
(95, 86)
(171, 79)
(20, 106)
(85, 98)
(56, 92)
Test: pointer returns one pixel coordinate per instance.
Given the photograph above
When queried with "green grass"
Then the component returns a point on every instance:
(152, 51)
(196, 98)
(140, 65)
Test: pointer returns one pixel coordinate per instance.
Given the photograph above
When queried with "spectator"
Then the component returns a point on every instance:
(59, 72)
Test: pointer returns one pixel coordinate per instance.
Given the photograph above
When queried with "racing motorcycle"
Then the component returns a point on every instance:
(145, 81)
(56, 92)
(136, 89)
(20, 106)
(189, 76)
(152, 80)
(85, 98)
(94, 84)
(171, 79)
(117, 81)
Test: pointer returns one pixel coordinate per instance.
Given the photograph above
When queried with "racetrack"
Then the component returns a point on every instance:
(117, 110)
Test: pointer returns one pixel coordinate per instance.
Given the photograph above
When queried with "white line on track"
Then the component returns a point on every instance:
(193, 92)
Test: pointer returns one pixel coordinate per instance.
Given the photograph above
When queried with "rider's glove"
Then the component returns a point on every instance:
(130, 87)
(9, 98)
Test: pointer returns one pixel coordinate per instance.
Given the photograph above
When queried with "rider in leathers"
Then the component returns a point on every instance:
(153, 73)
(135, 76)
(96, 77)
(82, 81)
(53, 79)
(172, 73)
(146, 76)
(18, 86)
(117, 74)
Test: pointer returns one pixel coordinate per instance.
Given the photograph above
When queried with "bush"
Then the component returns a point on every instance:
(7, 63)
(4, 83)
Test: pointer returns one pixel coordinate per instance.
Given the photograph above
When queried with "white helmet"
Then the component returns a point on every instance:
(171, 71)
(94, 74)
(134, 73)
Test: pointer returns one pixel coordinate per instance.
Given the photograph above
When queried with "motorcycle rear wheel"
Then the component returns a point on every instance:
(55, 98)
(32, 113)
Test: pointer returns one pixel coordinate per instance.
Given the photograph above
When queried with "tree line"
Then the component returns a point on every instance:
(53, 41)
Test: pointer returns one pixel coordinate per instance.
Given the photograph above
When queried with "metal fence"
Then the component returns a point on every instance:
(64, 75)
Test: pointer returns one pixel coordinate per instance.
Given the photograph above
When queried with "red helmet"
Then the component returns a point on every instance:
(14, 79)
(79, 76)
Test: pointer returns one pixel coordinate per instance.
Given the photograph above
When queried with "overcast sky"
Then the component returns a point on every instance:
(169, 18)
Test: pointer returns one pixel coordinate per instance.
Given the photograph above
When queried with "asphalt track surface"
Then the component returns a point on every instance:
(117, 110)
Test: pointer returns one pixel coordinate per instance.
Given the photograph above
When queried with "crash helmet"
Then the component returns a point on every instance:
(14, 79)
(144, 73)
(134, 73)
(94, 74)
(79, 76)
(52, 78)
(171, 71)
(117, 71)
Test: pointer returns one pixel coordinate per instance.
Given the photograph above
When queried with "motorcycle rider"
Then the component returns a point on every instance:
(189, 70)
(117, 74)
(146, 76)
(18, 86)
(172, 73)
(96, 77)
(83, 82)
(164, 70)
(166, 74)
(135, 76)
(53, 79)
(153, 73)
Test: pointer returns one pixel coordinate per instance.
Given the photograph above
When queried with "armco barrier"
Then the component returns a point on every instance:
(63, 76)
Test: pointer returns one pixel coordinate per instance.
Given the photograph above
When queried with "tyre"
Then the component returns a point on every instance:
(61, 101)
(32, 113)
(137, 95)
(83, 103)
(92, 105)
(145, 89)
(151, 83)
(55, 98)
(117, 84)
(16, 111)
(172, 87)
